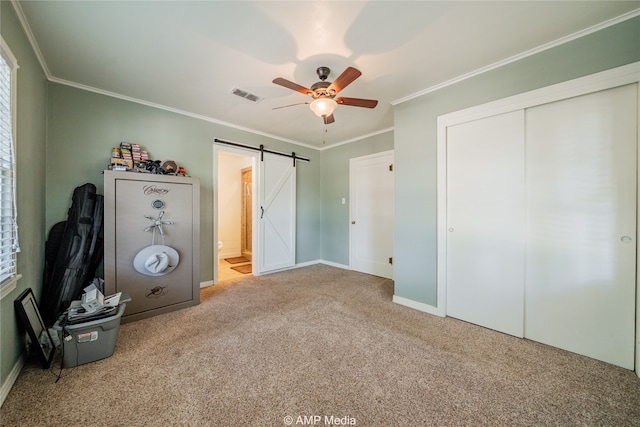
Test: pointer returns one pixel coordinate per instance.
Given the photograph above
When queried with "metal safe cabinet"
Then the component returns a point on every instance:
(152, 243)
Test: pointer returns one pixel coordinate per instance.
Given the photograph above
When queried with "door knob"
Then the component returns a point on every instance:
(353, 222)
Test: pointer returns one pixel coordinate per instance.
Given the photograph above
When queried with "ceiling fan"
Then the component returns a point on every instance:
(323, 93)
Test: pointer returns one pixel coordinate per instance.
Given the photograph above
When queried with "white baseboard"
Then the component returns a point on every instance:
(334, 264)
(206, 284)
(418, 306)
(398, 300)
(228, 254)
(321, 261)
(11, 378)
(308, 263)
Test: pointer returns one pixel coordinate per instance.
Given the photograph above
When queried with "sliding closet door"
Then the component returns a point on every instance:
(581, 224)
(485, 222)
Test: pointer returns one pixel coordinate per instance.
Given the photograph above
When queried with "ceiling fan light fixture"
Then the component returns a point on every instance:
(323, 107)
(323, 93)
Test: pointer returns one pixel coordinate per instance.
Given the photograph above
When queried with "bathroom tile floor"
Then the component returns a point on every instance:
(225, 272)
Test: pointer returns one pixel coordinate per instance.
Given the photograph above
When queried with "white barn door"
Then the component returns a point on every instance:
(277, 213)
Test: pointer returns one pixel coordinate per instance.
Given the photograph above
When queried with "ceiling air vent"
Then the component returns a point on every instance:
(246, 95)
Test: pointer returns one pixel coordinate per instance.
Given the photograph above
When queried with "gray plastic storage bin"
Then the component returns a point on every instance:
(90, 341)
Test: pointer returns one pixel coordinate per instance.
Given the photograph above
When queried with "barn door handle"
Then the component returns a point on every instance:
(261, 212)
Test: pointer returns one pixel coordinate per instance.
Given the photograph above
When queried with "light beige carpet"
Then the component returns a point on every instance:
(322, 342)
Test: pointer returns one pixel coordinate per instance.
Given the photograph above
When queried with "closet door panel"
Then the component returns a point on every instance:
(485, 222)
(581, 224)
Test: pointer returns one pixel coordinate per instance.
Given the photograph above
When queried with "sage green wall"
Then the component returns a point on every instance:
(30, 157)
(335, 185)
(415, 139)
(83, 127)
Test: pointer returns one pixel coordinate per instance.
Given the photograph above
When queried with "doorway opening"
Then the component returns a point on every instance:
(235, 215)
(273, 208)
(246, 213)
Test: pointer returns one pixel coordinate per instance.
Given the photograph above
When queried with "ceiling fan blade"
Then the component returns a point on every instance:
(290, 105)
(293, 86)
(344, 79)
(357, 102)
(329, 119)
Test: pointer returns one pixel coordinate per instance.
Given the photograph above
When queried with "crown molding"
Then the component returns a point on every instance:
(36, 48)
(522, 55)
(174, 110)
(32, 40)
(358, 138)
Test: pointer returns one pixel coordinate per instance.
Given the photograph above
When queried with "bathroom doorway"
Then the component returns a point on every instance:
(273, 208)
(246, 179)
(235, 215)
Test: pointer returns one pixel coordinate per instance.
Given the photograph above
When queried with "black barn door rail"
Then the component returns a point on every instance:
(263, 150)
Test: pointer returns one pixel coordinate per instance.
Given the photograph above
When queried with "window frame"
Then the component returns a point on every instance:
(9, 284)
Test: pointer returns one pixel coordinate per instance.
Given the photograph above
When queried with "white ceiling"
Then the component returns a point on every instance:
(186, 56)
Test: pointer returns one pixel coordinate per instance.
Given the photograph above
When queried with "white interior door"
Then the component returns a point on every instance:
(277, 213)
(581, 226)
(371, 210)
(485, 222)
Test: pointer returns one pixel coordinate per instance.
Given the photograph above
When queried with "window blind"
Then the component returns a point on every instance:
(8, 225)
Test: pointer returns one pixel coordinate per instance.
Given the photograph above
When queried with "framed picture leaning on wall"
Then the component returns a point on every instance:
(41, 341)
